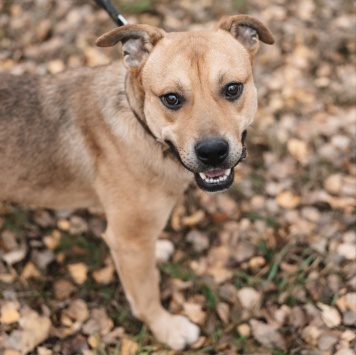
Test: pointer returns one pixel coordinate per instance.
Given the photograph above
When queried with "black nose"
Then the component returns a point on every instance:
(212, 151)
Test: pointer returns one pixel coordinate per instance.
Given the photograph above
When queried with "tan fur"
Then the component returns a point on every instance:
(97, 137)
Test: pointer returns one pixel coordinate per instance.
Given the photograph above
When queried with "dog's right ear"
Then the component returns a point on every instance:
(137, 42)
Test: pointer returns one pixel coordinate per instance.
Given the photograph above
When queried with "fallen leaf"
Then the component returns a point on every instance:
(63, 289)
(249, 298)
(288, 199)
(194, 219)
(9, 312)
(93, 341)
(329, 315)
(220, 274)
(199, 240)
(51, 241)
(99, 323)
(345, 351)
(30, 271)
(311, 334)
(244, 330)
(347, 250)
(223, 311)
(267, 335)
(327, 341)
(105, 275)
(194, 312)
(14, 256)
(333, 183)
(78, 271)
(78, 310)
(11, 352)
(34, 329)
(299, 150)
(256, 262)
(129, 347)
(199, 343)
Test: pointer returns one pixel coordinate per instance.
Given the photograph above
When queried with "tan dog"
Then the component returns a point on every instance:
(104, 136)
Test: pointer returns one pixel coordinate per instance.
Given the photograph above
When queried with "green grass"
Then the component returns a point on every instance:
(177, 271)
(210, 296)
(94, 249)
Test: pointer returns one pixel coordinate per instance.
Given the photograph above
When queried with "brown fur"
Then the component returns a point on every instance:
(97, 137)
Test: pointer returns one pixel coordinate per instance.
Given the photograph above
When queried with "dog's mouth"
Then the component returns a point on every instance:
(212, 180)
(215, 180)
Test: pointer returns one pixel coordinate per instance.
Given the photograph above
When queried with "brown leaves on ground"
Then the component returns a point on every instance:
(268, 268)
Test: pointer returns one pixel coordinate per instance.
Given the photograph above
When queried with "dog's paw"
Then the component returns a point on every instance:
(176, 331)
(164, 250)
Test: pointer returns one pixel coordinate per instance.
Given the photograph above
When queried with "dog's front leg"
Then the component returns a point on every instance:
(131, 237)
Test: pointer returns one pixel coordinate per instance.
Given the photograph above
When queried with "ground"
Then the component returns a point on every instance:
(268, 268)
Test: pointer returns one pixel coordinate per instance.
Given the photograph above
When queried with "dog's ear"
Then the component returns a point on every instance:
(247, 30)
(137, 42)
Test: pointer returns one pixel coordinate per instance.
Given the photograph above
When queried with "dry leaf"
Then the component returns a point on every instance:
(244, 330)
(9, 312)
(99, 323)
(327, 341)
(345, 351)
(29, 271)
(347, 250)
(105, 275)
(299, 150)
(51, 241)
(329, 315)
(223, 311)
(333, 183)
(267, 335)
(93, 341)
(199, 343)
(33, 330)
(78, 271)
(256, 262)
(78, 310)
(194, 219)
(249, 298)
(11, 352)
(288, 199)
(194, 312)
(220, 274)
(199, 240)
(63, 289)
(15, 256)
(129, 347)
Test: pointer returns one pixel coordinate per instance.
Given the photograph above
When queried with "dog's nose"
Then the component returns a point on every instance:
(212, 151)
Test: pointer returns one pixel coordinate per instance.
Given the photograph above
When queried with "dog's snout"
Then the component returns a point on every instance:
(212, 151)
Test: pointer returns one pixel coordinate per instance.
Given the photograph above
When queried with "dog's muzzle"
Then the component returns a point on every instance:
(214, 173)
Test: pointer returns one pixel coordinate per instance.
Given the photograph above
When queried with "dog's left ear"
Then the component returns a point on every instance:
(247, 30)
(137, 42)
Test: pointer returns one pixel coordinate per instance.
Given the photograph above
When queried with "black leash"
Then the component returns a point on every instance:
(112, 11)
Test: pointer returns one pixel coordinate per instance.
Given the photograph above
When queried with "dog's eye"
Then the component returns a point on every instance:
(172, 101)
(233, 91)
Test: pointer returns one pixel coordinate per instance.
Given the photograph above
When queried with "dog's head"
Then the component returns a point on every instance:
(198, 91)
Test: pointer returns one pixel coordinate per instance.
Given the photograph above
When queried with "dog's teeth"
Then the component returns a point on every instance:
(215, 179)
(203, 176)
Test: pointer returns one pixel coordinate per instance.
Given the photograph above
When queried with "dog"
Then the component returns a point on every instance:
(130, 137)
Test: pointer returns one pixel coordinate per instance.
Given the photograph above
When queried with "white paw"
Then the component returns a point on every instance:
(175, 331)
(164, 250)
